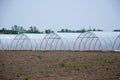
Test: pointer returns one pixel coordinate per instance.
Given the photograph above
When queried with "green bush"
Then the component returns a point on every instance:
(62, 64)
(40, 57)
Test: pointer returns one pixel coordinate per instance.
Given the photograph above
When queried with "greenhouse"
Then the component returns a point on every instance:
(116, 44)
(95, 41)
(88, 41)
(5, 41)
(52, 42)
(27, 42)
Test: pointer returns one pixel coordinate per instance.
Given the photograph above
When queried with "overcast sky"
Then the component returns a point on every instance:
(58, 14)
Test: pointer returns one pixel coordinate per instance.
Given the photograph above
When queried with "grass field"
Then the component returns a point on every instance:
(59, 65)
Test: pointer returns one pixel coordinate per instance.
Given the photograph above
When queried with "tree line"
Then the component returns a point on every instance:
(77, 31)
(33, 29)
(19, 29)
(116, 30)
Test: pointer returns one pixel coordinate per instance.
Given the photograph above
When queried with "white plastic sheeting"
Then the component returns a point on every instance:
(69, 39)
(89, 41)
(116, 44)
(5, 41)
(52, 42)
(36, 40)
(99, 41)
(21, 42)
(27, 42)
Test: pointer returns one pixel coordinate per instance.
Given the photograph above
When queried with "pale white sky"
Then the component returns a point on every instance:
(58, 14)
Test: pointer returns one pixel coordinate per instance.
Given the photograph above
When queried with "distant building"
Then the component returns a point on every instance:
(2, 30)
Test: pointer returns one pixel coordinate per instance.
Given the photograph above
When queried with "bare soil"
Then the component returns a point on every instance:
(59, 65)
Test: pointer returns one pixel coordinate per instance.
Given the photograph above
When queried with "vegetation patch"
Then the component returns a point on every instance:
(118, 74)
(110, 60)
(26, 78)
(40, 56)
(62, 64)
(108, 68)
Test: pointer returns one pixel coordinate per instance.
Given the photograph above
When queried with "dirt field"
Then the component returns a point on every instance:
(31, 65)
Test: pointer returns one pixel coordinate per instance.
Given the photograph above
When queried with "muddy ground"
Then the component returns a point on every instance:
(59, 65)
